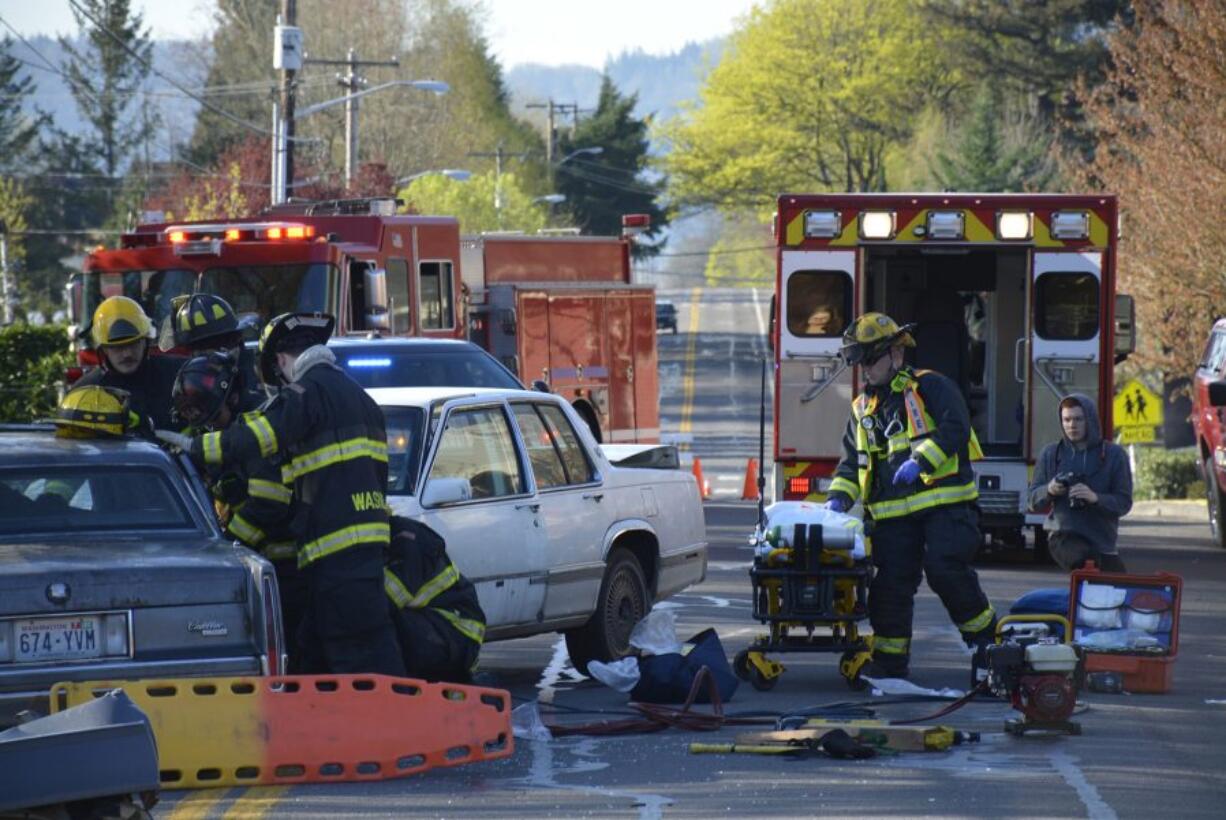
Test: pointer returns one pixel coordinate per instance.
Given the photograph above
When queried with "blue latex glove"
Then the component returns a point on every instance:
(838, 504)
(907, 473)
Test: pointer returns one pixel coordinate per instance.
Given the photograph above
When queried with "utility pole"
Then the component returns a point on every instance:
(553, 110)
(352, 83)
(289, 18)
(499, 154)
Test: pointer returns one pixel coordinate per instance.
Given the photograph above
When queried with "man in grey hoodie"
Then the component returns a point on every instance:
(1086, 484)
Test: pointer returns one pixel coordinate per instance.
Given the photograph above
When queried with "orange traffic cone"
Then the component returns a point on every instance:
(704, 488)
(750, 491)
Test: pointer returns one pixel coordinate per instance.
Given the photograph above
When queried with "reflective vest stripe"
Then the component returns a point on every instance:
(841, 485)
(280, 551)
(403, 598)
(932, 452)
(979, 623)
(923, 500)
(891, 646)
(395, 589)
(244, 531)
(263, 432)
(330, 454)
(210, 445)
(334, 542)
(270, 490)
(917, 416)
(469, 628)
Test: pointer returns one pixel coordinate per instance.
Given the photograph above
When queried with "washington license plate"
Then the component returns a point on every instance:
(65, 638)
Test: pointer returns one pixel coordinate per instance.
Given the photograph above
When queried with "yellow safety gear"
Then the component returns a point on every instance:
(119, 321)
(93, 411)
(915, 438)
(871, 334)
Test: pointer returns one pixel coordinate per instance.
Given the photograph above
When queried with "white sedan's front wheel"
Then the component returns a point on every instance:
(624, 601)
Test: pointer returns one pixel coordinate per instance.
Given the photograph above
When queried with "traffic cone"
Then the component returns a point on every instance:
(704, 488)
(750, 491)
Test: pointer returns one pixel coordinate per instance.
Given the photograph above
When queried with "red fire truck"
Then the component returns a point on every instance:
(562, 310)
(387, 274)
(1012, 296)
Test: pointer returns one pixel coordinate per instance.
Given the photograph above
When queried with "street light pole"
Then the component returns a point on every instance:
(290, 57)
(351, 82)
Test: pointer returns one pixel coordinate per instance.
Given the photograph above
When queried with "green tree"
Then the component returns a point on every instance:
(985, 159)
(476, 202)
(105, 75)
(810, 94)
(18, 130)
(239, 76)
(743, 255)
(600, 188)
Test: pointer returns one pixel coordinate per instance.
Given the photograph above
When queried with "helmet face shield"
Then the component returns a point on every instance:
(202, 388)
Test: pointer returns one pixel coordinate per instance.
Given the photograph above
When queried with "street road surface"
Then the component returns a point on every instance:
(1139, 755)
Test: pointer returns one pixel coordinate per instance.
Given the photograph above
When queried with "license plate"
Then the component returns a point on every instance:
(66, 638)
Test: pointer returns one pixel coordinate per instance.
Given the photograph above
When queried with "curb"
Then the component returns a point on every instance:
(1179, 509)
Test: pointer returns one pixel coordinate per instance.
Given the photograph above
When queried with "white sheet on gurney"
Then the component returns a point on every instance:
(787, 514)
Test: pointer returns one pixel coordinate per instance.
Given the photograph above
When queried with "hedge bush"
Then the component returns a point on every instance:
(1167, 474)
(32, 378)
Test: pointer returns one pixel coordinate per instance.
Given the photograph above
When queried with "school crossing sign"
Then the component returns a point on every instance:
(1137, 413)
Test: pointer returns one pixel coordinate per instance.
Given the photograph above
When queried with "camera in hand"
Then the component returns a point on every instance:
(1067, 480)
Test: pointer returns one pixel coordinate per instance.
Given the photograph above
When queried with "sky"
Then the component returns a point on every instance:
(551, 32)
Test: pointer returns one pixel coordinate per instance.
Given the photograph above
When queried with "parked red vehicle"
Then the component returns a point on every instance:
(557, 309)
(1209, 422)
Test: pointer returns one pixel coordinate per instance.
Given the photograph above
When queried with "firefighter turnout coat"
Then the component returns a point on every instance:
(332, 445)
(919, 415)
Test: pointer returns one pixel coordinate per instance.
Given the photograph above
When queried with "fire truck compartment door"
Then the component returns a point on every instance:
(814, 389)
(1065, 336)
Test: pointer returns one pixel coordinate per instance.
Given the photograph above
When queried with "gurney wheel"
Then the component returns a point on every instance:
(759, 681)
(740, 664)
(850, 664)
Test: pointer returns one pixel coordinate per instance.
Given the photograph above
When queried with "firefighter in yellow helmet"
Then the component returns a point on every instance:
(122, 334)
(94, 412)
(907, 452)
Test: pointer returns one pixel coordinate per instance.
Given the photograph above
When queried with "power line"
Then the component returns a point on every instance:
(721, 252)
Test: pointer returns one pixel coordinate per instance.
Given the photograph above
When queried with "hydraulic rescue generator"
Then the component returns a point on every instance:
(1036, 673)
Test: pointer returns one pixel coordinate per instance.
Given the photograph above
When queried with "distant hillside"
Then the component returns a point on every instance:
(661, 81)
(171, 57)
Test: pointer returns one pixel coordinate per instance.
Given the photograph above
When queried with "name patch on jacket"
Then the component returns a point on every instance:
(372, 500)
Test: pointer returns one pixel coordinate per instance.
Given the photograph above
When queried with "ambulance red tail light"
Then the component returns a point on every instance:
(1014, 225)
(877, 224)
(798, 487)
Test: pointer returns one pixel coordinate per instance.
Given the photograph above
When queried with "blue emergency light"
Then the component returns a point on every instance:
(380, 361)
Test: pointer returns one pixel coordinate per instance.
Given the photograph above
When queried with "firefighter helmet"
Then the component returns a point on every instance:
(286, 329)
(92, 411)
(871, 334)
(204, 385)
(203, 320)
(119, 321)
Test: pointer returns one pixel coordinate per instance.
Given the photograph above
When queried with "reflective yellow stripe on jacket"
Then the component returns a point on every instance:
(245, 531)
(473, 630)
(269, 490)
(332, 454)
(923, 500)
(403, 598)
(334, 542)
(263, 432)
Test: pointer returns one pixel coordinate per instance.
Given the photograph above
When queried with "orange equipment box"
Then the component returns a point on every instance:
(1127, 624)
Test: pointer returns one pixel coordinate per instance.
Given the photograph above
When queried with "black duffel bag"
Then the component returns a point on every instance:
(668, 678)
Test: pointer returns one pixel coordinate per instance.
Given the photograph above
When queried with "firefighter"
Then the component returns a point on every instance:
(907, 450)
(253, 505)
(94, 411)
(121, 333)
(203, 323)
(438, 618)
(331, 436)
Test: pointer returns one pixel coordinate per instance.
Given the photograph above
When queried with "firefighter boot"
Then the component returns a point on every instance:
(885, 665)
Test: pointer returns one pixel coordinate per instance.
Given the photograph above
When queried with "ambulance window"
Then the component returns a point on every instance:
(398, 296)
(435, 294)
(1066, 306)
(818, 303)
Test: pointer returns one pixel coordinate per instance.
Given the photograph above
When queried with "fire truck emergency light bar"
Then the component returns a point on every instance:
(194, 240)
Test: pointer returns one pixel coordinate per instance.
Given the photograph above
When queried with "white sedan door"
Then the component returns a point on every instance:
(574, 514)
(495, 538)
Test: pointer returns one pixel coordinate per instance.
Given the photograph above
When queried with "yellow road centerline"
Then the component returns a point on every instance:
(256, 802)
(687, 382)
(197, 805)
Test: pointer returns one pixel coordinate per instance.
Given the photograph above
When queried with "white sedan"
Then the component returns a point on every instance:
(555, 536)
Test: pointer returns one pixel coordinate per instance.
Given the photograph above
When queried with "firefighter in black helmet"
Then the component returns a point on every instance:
(122, 335)
(331, 437)
(203, 323)
(253, 504)
(907, 453)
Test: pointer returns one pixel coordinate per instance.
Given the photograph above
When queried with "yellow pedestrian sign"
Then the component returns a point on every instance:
(1136, 412)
